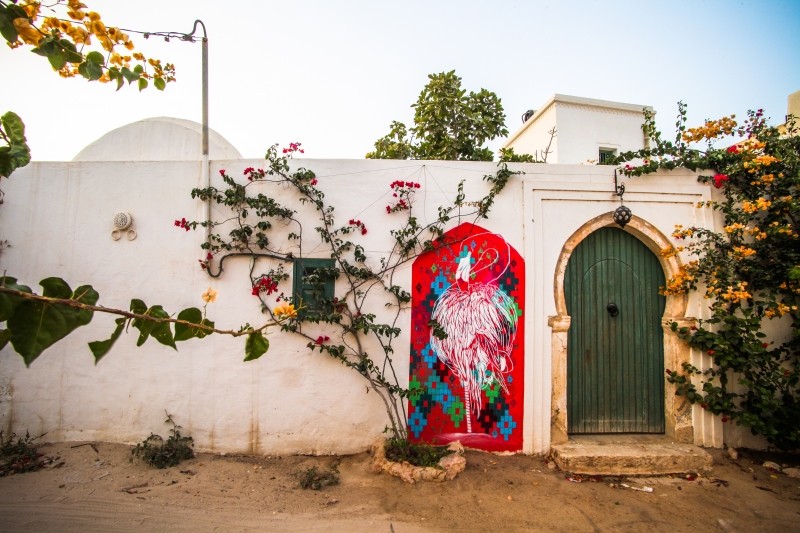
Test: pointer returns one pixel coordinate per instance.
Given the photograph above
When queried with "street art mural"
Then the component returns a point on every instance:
(466, 371)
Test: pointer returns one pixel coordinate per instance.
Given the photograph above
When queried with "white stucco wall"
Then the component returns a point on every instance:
(58, 218)
(533, 137)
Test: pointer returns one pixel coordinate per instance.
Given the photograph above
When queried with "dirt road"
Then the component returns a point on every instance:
(97, 488)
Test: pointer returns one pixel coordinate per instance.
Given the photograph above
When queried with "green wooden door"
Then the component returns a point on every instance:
(615, 362)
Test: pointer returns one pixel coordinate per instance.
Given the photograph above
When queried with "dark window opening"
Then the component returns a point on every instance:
(313, 285)
(606, 156)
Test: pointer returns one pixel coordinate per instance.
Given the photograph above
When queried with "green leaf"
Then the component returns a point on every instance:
(54, 51)
(159, 83)
(95, 57)
(17, 153)
(101, 348)
(130, 76)
(5, 336)
(69, 51)
(37, 325)
(90, 70)
(13, 127)
(256, 346)
(160, 331)
(55, 288)
(7, 15)
(8, 302)
(142, 84)
(195, 316)
(138, 306)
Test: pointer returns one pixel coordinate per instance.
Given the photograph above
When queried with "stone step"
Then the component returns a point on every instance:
(629, 456)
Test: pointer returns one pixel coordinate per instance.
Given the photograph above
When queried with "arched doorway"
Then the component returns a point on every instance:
(615, 356)
(678, 424)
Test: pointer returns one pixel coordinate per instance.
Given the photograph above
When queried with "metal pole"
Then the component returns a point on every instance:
(205, 90)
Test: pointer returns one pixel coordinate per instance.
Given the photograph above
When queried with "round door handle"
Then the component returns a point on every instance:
(612, 309)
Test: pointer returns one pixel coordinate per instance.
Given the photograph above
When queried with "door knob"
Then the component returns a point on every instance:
(612, 309)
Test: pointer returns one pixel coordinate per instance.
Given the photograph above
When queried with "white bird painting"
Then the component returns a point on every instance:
(480, 321)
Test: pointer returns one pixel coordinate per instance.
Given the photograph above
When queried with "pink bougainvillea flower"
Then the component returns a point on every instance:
(360, 225)
(719, 179)
(322, 339)
(733, 149)
(264, 284)
(183, 223)
(222, 172)
(293, 147)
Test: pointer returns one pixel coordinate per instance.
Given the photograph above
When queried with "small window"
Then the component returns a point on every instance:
(606, 156)
(313, 284)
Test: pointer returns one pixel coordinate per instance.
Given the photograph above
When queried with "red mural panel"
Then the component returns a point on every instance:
(467, 342)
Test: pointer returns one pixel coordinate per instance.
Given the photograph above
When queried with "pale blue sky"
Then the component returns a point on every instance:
(334, 74)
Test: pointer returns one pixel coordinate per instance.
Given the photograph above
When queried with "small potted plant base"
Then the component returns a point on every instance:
(451, 463)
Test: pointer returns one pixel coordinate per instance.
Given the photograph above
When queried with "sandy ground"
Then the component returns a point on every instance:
(97, 488)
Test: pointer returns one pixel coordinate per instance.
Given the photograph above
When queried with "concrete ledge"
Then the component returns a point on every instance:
(627, 457)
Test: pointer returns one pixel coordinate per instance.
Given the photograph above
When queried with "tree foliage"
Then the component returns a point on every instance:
(449, 124)
(749, 269)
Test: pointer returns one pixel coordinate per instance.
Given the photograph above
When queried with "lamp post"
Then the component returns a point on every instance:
(190, 37)
(167, 35)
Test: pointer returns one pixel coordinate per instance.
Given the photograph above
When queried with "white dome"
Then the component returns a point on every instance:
(158, 139)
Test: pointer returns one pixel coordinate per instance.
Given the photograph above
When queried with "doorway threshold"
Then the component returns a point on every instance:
(629, 454)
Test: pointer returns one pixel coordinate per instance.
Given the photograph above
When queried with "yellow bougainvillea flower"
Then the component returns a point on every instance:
(285, 310)
(210, 295)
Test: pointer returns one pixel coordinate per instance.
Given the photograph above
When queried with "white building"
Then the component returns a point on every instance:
(586, 130)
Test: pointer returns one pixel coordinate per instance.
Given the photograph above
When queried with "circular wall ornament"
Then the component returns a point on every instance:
(123, 220)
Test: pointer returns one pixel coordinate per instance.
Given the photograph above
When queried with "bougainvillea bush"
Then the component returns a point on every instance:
(748, 269)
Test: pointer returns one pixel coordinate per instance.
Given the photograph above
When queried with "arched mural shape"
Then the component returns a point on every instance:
(469, 384)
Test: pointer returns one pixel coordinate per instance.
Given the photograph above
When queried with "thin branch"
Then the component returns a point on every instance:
(129, 315)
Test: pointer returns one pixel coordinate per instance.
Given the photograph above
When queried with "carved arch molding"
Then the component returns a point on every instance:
(678, 416)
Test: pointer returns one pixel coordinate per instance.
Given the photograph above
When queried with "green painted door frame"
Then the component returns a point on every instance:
(615, 360)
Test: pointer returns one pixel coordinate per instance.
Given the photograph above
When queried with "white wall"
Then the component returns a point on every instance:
(534, 137)
(58, 217)
(583, 130)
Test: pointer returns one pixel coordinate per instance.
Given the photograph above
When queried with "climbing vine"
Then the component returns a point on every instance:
(749, 271)
(357, 323)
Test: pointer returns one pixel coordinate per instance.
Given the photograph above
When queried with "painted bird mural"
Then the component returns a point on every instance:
(480, 320)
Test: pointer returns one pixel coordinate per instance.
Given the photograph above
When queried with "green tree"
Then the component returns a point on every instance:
(449, 124)
(749, 270)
